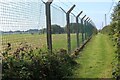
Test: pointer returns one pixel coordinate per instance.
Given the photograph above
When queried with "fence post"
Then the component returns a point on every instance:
(88, 30)
(82, 29)
(86, 27)
(48, 24)
(91, 26)
(68, 28)
(77, 29)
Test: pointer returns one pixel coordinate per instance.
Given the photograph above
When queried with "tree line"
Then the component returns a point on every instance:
(57, 29)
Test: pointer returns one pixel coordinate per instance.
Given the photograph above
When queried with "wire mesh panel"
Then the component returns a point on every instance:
(22, 23)
(58, 20)
(73, 29)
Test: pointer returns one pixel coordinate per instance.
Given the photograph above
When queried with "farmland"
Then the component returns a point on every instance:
(38, 41)
(43, 64)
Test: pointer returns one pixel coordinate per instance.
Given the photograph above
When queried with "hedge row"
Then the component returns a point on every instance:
(29, 64)
(114, 31)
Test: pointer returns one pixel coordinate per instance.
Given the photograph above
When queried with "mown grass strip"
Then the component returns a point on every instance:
(96, 58)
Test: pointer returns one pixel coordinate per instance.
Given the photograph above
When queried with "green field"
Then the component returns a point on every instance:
(96, 59)
(39, 41)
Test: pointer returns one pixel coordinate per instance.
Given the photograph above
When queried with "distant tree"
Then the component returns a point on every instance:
(56, 29)
(73, 27)
(106, 29)
(42, 31)
(32, 33)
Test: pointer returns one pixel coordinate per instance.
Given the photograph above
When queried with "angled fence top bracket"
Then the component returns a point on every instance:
(71, 9)
(79, 14)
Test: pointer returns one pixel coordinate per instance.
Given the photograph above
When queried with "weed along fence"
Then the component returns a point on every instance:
(45, 25)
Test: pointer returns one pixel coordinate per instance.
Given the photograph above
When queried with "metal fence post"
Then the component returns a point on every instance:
(68, 28)
(77, 29)
(86, 28)
(48, 24)
(82, 29)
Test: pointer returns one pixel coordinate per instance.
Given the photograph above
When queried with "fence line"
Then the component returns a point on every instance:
(25, 22)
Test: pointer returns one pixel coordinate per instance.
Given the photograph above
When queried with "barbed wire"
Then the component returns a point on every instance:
(110, 7)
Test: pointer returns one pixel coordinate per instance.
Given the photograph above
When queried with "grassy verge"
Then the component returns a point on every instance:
(96, 58)
(39, 41)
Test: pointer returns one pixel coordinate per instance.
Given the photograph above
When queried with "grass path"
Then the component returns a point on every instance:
(95, 60)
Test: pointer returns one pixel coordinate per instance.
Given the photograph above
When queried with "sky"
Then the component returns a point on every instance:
(95, 9)
(30, 14)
